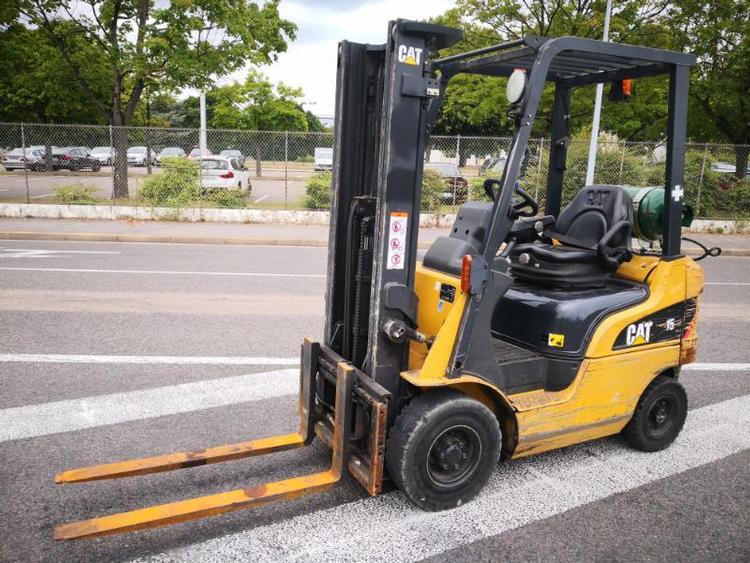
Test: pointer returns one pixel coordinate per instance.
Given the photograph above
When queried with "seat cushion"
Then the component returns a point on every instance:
(557, 266)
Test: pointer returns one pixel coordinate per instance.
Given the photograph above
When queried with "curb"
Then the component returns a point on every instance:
(126, 237)
(249, 241)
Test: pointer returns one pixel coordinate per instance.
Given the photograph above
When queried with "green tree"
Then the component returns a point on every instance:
(258, 105)
(176, 44)
(35, 78)
(476, 105)
(718, 33)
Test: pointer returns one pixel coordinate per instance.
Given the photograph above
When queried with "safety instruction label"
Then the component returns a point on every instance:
(397, 240)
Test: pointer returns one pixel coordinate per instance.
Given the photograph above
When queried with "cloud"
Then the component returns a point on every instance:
(310, 62)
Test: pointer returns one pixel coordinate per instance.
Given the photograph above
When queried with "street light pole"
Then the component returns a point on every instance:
(597, 108)
(202, 144)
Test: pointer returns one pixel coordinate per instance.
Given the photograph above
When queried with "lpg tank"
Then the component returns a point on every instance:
(648, 211)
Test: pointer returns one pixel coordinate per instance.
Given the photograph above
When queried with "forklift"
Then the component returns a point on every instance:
(519, 332)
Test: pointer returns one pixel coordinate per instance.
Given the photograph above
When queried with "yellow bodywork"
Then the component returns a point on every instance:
(601, 399)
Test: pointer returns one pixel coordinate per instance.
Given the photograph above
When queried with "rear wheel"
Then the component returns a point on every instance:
(659, 416)
(442, 449)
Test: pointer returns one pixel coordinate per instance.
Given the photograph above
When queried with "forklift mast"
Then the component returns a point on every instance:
(383, 101)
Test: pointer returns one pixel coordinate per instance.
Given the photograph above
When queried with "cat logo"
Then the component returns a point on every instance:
(409, 55)
(639, 333)
(596, 198)
(556, 340)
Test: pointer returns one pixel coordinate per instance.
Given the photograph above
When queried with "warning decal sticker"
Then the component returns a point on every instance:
(397, 240)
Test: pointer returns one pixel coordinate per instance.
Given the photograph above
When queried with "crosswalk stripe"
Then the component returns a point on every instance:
(388, 528)
(244, 361)
(188, 360)
(77, 414)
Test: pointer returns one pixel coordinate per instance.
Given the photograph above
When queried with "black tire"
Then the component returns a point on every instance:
(442, 449)
(659, 416)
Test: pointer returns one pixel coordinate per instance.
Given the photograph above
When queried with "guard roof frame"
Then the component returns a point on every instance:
(570, 62)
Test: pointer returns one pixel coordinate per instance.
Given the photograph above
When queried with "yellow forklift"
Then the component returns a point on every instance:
(519, 332)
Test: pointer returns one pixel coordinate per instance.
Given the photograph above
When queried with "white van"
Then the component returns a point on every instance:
(323, 158)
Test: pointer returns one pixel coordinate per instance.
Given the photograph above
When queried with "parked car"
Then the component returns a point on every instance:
(86, 150)
(105, 155)
(233, 153)
(169, 152)
(727, 168)
(15, 159)
(494, 166)
(195, 153)
(221, 173)
(323, 158)
(70, 158)
(137, 156)
(456, 187)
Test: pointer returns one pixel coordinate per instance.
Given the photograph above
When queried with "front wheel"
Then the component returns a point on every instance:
(659, 416)
(442, 449)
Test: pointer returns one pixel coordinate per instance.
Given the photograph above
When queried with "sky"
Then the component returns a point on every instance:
(310, 61)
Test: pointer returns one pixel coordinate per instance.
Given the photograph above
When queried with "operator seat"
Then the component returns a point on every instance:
(590, 240)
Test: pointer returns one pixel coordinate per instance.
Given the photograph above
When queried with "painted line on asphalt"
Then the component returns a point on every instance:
(41, 196)
(77, 414)
(164, 272)
(716, 367)
(57, 251)
(262, 198)
(181, 360)
(389, 528)
(241, 361)
(726, 283)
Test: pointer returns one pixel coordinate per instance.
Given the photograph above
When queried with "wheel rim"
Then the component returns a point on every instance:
(661, 416)
(454, 456)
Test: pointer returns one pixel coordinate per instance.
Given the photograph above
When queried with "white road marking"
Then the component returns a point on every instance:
(76, 414)
(41, 196)
(164, 272)
(45, 253)
(261, 199)
(56, 251)
(389, 528)
(181, 360)
(716, 367)
(240, 361)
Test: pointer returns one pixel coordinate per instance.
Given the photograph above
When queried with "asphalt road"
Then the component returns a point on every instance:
(269, 189)
(87, 302)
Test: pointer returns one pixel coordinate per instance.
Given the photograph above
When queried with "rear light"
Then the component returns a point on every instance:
(466, 273)
(67, 157)
(228, 175)
(689, 342)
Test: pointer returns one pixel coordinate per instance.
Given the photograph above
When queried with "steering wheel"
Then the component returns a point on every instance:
(518, 209)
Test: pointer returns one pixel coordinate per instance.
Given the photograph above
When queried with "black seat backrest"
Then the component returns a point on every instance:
(593, 211)
(466, 237)
(471, 223)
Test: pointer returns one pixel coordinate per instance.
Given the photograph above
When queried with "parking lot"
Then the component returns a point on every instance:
(116, 350)
(270, 189)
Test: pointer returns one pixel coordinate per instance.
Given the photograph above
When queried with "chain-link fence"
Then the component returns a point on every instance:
(152, 166)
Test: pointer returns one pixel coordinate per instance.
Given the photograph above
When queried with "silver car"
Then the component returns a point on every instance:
(169, 152)
(105, 155)
(17, 160)
(137, 156)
